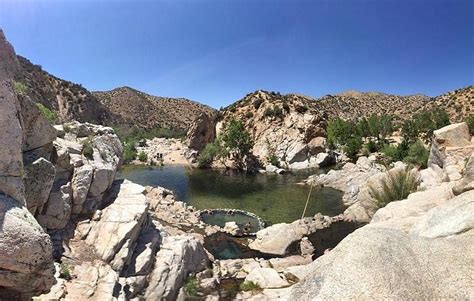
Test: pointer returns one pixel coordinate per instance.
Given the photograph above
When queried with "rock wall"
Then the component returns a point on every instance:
(26, 263)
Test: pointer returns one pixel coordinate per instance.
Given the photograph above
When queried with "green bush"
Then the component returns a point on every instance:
(276, 111)
(20, 88)
(372, 146)
(353, 146)
(49, 114)
(250, 286)
(65, 271)
(417, 155)
(395, 186)
(129, 152)
(211, 152)
(87, 149)
(248, 115)
(470, 123)
(339, 131)
(301, 109)
(142, 156)
(192, 286)
(257, 103)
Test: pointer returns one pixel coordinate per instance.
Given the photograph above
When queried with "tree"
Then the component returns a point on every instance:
(339, 131)
(417, 155)
(237, 141)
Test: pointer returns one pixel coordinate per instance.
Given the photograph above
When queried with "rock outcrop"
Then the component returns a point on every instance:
(421, 247)
(26, 262)
(393, 259)
(201, 132)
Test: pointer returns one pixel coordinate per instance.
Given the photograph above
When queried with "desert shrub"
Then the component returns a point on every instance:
(257, 103)
(49, 114)
(192, 286)
(65, 271)
(142, 156)
(286, 107)
(417, 155)
(470, 123)
(301, 109)
(372, 146)
(129, 152)
(87, 149)
(248, 115)
(136, 134)
(211, 152)
(353, 146)
(20, 88)
(395, 186)
(276, 111)
(250, 286)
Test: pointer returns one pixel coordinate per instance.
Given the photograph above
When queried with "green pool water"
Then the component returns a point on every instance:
(275, 198)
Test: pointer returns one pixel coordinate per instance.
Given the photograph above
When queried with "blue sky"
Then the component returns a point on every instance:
(216, 51)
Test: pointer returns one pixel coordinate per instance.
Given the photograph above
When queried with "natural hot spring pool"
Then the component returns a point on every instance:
(242, 219)
(274, 198)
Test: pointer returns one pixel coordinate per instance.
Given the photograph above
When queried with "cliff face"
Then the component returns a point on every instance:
(26, 262)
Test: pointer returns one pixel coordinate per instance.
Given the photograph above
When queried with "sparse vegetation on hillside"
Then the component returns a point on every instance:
(191, 286)
(87, 149)
(423, 124)
(250, 286)
(395, 186)
(20, 88)
(470, 123)
(275, 111)
(49, 114)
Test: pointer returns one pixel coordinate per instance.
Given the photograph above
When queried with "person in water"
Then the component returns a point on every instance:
(247, 227)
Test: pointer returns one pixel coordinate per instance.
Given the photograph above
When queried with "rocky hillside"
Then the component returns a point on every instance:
(292, 127)
(127, 106)
(458, 103)
(353, 104)
(70, 100)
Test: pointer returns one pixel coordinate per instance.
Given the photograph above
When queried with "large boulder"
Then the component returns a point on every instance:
(178, 257)
(26, 258)
(282, 239)
(381, 263)
(411, 249)
(40, 178)
(37, 130)
(80, 184)
(449, 149)
(57, 210)
(201, 132)
(266, 278)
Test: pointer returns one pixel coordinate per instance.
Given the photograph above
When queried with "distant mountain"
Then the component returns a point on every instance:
(292, 126)
(127, 106)
(124, 107)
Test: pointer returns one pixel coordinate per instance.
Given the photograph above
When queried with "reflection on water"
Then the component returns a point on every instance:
(275, 198)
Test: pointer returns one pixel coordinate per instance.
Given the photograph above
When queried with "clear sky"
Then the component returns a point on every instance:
(216, 51)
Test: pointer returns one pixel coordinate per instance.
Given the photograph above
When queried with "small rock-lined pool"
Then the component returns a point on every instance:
(275, 198)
